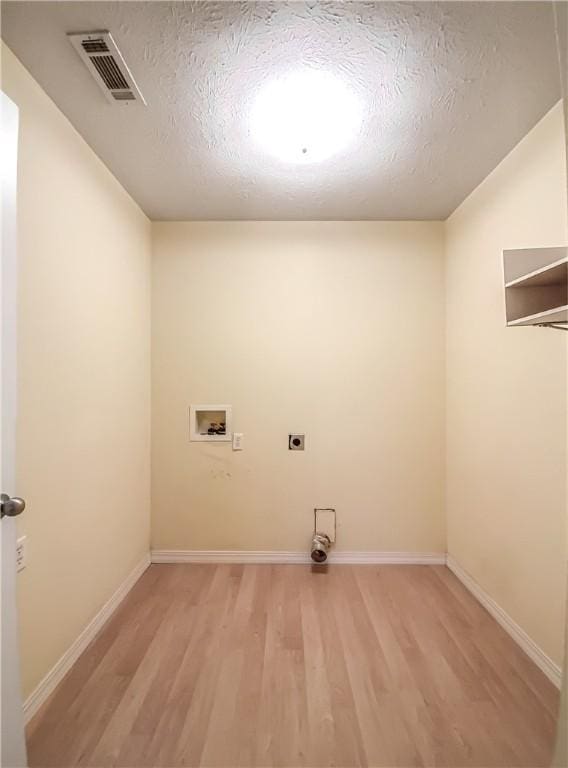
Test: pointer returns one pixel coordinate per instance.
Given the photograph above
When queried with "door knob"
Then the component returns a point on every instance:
(11, 506)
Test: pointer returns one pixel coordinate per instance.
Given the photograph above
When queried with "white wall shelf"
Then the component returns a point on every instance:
(555, 315)
(551, 274)
(536, 286)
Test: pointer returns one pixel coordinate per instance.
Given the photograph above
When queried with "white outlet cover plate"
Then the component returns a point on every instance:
(21, 555)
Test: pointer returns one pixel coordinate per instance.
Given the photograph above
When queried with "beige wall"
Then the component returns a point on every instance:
(506, 394)
(83, 432)
(334, 329)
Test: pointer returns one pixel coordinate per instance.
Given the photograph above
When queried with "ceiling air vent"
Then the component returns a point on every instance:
(104, 61)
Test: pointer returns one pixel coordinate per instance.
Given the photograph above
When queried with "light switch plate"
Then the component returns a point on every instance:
(238, 441)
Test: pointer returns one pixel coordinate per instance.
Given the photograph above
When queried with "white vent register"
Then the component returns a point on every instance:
(104, 61)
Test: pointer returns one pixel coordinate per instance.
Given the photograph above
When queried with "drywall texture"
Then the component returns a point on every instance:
(333, 329)
(506, 394)
(84, 396)
(200, 66)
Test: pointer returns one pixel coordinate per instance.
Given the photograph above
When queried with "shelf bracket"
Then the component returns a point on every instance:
(558, 326)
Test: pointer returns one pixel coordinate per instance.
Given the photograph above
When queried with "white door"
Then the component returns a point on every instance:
(12, 744)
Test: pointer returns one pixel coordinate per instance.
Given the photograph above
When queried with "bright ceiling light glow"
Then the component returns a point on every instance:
(305, 117)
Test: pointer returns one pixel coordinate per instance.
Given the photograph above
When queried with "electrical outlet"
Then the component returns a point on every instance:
(296, 442)
(237, 441)
(21, 554)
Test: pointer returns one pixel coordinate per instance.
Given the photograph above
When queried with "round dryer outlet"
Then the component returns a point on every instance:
(296, 442)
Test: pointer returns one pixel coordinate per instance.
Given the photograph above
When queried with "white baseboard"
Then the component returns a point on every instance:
(536, 654)
(60, 669)
(276, 556)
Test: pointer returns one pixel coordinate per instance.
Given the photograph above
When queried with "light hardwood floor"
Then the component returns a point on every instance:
(281, 665)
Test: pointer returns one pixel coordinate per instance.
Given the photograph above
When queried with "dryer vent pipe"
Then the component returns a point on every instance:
(320, 547)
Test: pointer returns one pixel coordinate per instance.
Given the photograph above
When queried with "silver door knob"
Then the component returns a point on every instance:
(11, 506)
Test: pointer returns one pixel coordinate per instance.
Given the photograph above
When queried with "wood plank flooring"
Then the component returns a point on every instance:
(282, 665)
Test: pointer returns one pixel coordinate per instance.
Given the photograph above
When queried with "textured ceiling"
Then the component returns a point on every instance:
(448, 89)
